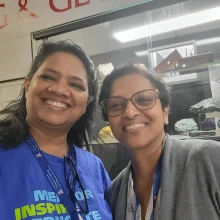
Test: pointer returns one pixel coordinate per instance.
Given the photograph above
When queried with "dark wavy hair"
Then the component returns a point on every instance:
(13, 124)
(130, 68)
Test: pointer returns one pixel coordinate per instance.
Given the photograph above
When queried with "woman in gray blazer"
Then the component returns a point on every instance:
(166, 179)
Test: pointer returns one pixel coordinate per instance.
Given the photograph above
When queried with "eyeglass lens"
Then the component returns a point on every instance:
(142, 100)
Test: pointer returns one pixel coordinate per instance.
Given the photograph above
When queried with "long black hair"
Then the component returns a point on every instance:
(13, 124)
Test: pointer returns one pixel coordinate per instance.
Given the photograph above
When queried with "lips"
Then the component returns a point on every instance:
(134, 126)
(56, 104)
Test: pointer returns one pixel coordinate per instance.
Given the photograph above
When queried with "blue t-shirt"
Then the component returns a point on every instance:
(25, 192)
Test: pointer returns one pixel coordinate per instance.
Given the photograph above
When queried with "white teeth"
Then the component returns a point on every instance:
(56, 104)
(134, 126)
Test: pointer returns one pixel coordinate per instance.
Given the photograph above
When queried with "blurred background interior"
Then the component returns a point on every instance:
(180, 42)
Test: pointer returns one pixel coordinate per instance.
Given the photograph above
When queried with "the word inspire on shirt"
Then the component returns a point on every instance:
(47, 206)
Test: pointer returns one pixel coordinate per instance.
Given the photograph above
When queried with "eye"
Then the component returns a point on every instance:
(77, 86)
(47, 77)
(143, 100)
(115, 105)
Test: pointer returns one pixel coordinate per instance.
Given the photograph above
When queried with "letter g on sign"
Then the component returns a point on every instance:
(52, 6)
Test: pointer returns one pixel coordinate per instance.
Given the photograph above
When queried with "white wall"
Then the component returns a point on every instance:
(15, 39)
(15, 57)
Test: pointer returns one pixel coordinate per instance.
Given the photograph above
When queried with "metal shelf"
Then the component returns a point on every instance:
(186, 70)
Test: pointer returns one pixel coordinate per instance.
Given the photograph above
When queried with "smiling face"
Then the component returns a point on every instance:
(58, 92)
(136, 128)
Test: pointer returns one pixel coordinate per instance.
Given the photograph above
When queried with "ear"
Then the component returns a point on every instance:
(27, 83)
(165, 114)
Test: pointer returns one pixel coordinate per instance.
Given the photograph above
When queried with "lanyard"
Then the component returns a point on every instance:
(157, 183)
(52, 178)
(156, 188)
(71, 178)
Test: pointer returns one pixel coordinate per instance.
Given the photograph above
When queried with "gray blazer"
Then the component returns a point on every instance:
(190, 182)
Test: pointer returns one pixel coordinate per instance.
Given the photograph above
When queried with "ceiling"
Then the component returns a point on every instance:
(99, 39)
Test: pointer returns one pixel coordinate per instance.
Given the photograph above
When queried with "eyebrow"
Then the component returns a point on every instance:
(59, 73)
(118, 96)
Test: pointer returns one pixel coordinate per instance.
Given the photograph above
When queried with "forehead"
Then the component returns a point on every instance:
(127, 85)
(64, 63)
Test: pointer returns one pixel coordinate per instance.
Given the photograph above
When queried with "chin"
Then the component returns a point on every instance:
(54, 122)
(135, 145)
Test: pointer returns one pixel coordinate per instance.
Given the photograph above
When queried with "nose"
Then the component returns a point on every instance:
(130, 111)
(59, 89)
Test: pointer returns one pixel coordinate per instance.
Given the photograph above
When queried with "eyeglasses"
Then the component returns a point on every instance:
(73, 167)
(142, 100)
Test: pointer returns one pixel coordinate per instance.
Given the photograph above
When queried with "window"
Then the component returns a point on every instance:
(179, 42)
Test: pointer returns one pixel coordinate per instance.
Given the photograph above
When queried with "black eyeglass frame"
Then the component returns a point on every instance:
(130, 99)
(73, 167)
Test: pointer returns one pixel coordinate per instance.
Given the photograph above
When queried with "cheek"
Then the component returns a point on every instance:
(28, 96)
(81, 100)
(156, 118)
(32, 91)
(84, 104)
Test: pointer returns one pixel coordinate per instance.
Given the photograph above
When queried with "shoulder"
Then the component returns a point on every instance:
(122, 175)
(119, 182)
(18, 154)
(15, 157)
(195, 146)
(17, 149)
(194, 150)
(86, 156)
(90, 163)
(92, 170)
(2, 149)
(117, 193)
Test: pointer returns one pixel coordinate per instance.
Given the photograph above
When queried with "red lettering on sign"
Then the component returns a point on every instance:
(52, 6)
(78, 4)
(5, 18)
(23, 8)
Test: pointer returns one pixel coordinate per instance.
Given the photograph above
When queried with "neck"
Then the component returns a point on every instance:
(144, 160)
(49, 141)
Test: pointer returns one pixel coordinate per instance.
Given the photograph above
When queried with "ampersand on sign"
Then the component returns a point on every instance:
(5, 18)
(23, 8)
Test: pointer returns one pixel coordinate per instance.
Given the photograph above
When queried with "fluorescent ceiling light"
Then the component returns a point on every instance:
(208, 41)
(169, 25)
(141, 53)
(198, 43)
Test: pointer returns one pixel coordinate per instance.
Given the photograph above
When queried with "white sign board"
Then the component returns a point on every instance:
(19, 17)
